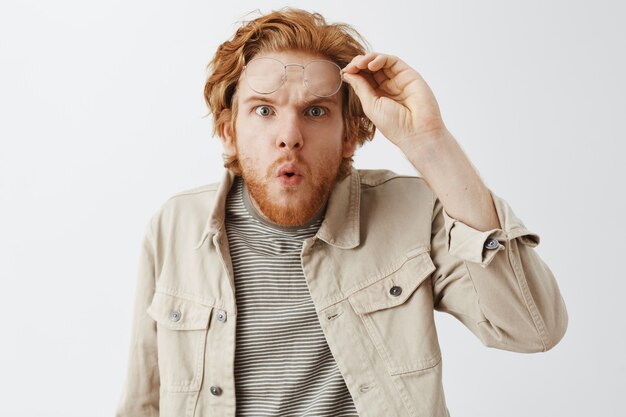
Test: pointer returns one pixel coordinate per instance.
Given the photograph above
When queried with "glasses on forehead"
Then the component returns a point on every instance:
(265, 75)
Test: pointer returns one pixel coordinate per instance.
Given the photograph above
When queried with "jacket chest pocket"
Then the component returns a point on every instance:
(397, 312)
(182, 327)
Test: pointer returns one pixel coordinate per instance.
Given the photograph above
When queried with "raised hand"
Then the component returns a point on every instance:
(395, 98)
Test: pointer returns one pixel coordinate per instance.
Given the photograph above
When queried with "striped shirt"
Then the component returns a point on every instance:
(283, 366)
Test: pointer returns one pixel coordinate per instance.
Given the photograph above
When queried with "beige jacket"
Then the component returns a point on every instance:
(385, 257)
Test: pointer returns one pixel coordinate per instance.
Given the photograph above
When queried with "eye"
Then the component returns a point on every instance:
(316, 111)
(263, 111)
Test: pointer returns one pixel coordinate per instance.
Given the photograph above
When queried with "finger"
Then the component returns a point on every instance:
(370, 79)
(365, 60)
(360, 62)
(380, 77)
(391, 88)
(388, 64)
(372, 63)
(352, 67)
(380, 61)
(362, 88)
(367, 76)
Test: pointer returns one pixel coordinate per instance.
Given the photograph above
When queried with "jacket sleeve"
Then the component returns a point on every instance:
(495, 283)
(140, 396)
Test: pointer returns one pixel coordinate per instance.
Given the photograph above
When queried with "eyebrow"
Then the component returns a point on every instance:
(309, 102)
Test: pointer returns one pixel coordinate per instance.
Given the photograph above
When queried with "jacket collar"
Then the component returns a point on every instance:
(340, 227)
(215, 222)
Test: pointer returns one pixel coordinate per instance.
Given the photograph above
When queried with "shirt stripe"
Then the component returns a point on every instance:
(283, 366)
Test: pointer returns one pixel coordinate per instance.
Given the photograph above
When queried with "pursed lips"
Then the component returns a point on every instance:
(290, 175)
(289, 170)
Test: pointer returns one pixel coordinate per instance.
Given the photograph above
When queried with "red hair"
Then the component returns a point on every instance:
(285, 29)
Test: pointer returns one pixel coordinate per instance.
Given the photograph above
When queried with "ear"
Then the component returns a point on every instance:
(226, 134)
(348, 147)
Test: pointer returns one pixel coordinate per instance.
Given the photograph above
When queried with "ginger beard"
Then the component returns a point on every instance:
(303, 204)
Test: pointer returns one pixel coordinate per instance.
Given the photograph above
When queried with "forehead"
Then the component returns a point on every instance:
(291, 56)
(243, 92)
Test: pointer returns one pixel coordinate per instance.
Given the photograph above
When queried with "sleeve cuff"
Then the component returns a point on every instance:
(473, 245)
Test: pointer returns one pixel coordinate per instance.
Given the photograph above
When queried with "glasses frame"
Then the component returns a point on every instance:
(283, 77)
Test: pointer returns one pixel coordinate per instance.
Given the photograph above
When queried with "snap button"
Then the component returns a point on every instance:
(175, 315)
(395, 291)
(491, 244)
(221, 315)
(215, 390)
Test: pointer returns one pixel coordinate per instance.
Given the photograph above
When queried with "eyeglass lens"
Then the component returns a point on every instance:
(266, 75)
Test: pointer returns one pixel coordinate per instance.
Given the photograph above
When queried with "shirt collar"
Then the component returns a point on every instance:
(340, 227)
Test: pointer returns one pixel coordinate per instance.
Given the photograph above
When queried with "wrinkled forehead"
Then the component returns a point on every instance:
(299, 58)
(290, 56)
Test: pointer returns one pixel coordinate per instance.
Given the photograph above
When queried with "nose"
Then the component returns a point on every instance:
(289, 133)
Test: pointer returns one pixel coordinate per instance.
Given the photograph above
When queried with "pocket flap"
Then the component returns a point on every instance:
(178, 313)
(407, 278)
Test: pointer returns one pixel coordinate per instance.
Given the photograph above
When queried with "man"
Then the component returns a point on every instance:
(302, 286)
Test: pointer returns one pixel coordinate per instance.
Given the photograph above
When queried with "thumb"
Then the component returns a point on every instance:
(362, 88)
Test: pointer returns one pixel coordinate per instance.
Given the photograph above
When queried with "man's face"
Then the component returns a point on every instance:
(289, 143)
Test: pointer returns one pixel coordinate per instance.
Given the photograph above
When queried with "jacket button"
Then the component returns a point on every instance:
(491, 244)
(221, 315)
(175, 315)
(216, 390)
(395, 291)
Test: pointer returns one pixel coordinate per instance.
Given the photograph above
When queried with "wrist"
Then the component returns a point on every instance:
(424, 147)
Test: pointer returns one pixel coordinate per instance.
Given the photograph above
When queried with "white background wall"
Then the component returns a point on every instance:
(101, 120)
